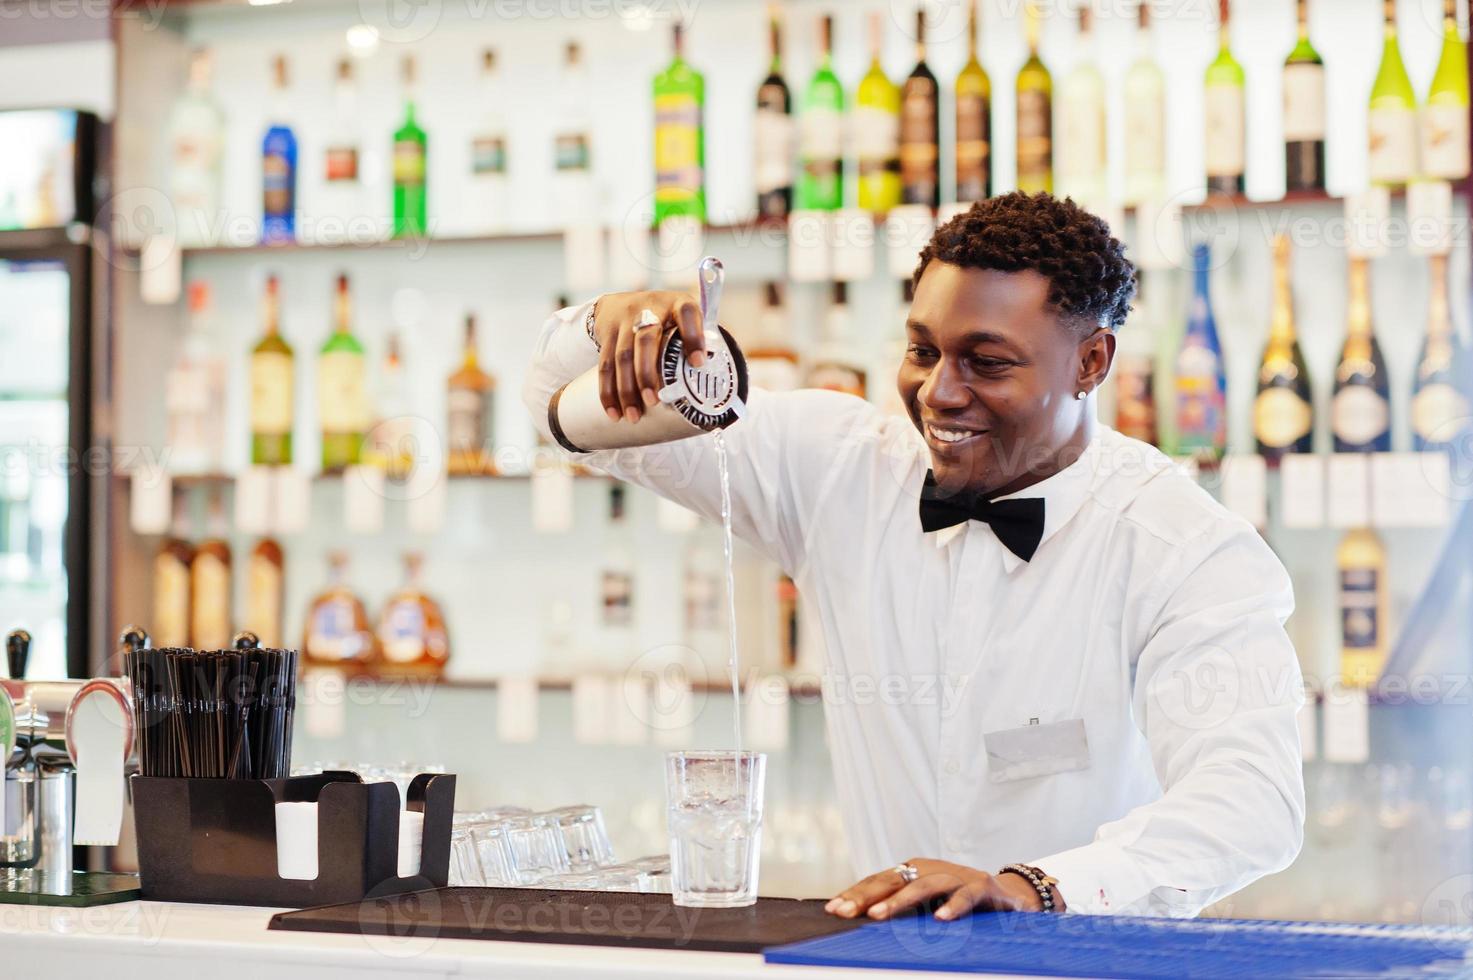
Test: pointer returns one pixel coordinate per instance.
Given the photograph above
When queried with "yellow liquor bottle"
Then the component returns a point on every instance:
(1361, 559)
(470, 402)
(209, 585)
(264, 590)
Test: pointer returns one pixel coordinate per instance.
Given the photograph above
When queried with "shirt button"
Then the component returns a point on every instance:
(953, 767)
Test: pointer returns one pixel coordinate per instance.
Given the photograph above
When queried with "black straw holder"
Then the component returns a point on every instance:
(214, 840)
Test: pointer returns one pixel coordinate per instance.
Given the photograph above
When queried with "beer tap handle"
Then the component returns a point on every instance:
(17, 652)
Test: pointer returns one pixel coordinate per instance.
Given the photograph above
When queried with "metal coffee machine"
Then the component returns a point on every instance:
(66, 746)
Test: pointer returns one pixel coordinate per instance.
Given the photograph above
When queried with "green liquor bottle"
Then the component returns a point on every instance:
(680, 150)
(1226, 123)
(272, 386)
(877, 130)
(973, 122)
(1444, 128)
(411, 160)
(1392, 120)
(342, 388)
(1035, 114)
(820, 139)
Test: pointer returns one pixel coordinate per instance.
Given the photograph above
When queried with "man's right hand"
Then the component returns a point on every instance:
(629, 358)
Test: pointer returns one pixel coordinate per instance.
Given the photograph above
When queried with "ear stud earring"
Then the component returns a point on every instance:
(1079, 395)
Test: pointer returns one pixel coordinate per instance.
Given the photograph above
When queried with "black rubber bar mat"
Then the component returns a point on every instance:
(541, 915)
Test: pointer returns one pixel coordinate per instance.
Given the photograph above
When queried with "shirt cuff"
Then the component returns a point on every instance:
(1097, 879)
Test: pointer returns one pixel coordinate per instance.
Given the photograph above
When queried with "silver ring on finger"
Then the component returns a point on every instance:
(646, 320)
(907, 872)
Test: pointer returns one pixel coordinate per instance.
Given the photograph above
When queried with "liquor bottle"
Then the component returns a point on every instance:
(194, 392)
(1392, 120)
(1360, 415)
(391, 443)
(1304, 112)
(196, 144)
(337, 632)
(1283, 414)
(340, 193)
(1225, 114)
(572, 150)
(342, 388)
(1135, 370)
(1444, 122)
(616, 583)
(820, 133)
(485, 193)
(680, 138)
(279, 165)
(1035, 114)
(772, 133)
(877, 129)
(265, 588)
(470, 402)
(889, 355)
(772, 363)
(411, 166)
(272, 387)
(1361, 560)
(1439, 395)
(834, 366)
(973, 122)
(209, 584)
(1145, 118)
(920, 130)
(1201, 388)
(171, 573)
(411, 628)
(1082, 170)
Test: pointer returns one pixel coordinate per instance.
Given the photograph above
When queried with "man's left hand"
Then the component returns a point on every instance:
(965, 889)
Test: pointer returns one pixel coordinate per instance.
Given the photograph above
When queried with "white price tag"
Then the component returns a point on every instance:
(853, 245)
(672, 517)
(591, 709)
(630, 710)
(1347, 477)
(808, 246)
(1309, 736)
(516, 708)
(292, 495)
(583, 258)
(907, 229)
(363, 499)
(765, 719)
(1159, 235)
(552, 497)
(1367, 217)
(1245, 487)
(424, 510)
(1347, 725)
(151, 500)
(324, 696)
(1302, 490)
(1430, 217)
(1409, 489)
(161, 270)
(253, 490)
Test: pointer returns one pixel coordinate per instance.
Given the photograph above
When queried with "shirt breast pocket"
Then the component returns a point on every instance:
(1036, 750)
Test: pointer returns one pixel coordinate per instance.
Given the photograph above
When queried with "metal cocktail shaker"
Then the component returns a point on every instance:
(693, 400)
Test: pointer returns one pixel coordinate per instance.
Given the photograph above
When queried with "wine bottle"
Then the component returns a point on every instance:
(772, 134)
(834, 367)
(772, 363)
(877, 129)
(1082, 169)
(195, 390)
(680, 141)
(279, 165)
(1283, 413)
(920, 147)
(1444, 123)
(196, 145)
(1392, 119)
(820, 138)
(1361, 560)
(272, 387)
(1135, 370)
(342, 388)
(1304, 112)
(391, 442)
(1145, 118)
(485, 195)
(1361, 412)
(973, 121)
(1035, 93)
(264, 592)
(1439, 395)
(1224, 114)
(411, 166)
(470, 400)
(1201, 388)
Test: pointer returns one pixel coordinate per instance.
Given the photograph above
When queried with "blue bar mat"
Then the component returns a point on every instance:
(1127, 947)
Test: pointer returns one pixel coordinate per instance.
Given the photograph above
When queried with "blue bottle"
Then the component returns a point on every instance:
(1201, 386)
(279, 170)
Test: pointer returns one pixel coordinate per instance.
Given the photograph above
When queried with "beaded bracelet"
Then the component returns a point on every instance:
(1041, 882)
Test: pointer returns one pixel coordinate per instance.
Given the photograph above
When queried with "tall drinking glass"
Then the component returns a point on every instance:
(714, 808)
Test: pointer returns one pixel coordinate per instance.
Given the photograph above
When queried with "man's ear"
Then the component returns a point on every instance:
(1096, 355)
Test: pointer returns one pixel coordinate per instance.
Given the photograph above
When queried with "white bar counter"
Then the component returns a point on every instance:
(169, 941)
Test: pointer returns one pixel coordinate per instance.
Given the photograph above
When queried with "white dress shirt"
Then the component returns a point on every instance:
(1119, 711)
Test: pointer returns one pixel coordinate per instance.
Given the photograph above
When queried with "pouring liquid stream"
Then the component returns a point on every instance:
(731, 626)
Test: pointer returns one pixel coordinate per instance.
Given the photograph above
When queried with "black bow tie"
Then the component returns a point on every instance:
(1017, 523)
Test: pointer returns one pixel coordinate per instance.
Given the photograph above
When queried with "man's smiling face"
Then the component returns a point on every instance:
(990, 374)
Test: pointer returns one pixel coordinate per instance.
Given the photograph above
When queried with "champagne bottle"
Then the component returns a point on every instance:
(1444, 123)
(821, 150)
(1082, 169)
(680, 140)
(1439, 395)
(973, 121)
(772, 135)
(272, 387)
(411, 167)
(1224, 111)
(264, 591)
(1304, 112)
(470, 400)
(1135, 370)
(1035, 93)
(1361, 560)
(1283, 413)
(1361, 412)
(279, 165)
(877, 129)
(920, 145)
(342, 388)
(1392, 120)
(1201, 388)
(1145, 119)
